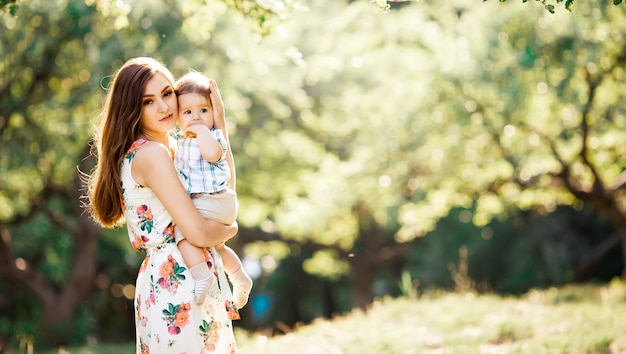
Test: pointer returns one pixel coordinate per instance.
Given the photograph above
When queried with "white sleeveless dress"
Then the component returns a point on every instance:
(167, 320)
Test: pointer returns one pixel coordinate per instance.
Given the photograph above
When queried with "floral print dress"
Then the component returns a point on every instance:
(167, 320)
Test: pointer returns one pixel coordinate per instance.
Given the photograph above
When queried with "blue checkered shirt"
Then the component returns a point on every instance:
(197, 174)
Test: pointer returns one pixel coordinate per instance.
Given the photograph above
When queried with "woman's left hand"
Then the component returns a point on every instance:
(219, 119)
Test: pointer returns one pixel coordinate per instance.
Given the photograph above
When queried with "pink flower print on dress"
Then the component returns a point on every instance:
(146, 220)
(139, 241)
(233, 314)
(232, 349)
(177, 317)
(138, 306)
(210, 333)
(169, 233)
(140, 319)
(167, 269)
(208, 347)
(143, 347)
(130, 154)
(152, 298)
(171, 275)
(181, 319)
(144, 264)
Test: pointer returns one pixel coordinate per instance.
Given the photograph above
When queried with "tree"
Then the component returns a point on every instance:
(554, 137)
(54, 65)
(375, 138)
(37, 189)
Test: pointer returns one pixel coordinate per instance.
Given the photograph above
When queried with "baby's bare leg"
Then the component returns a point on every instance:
(230, 259)
(191, 254)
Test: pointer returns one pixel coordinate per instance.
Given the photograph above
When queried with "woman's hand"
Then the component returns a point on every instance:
(219, 116)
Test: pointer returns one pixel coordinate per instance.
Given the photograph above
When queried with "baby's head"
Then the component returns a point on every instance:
(194, 100)
(193, 82)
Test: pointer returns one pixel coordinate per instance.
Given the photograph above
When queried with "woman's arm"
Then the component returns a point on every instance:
(153, 167)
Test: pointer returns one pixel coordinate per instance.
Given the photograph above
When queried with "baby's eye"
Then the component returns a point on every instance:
(204, 110)
(187, 112)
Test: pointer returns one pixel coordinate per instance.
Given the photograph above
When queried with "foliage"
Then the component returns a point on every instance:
(264, 14)
(568, 4)
(512, 256)
(9, 6)
(426, 137)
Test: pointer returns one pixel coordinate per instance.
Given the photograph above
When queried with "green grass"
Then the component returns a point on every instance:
(575, 319)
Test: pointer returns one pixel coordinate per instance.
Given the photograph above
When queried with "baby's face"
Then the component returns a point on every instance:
(194, 108)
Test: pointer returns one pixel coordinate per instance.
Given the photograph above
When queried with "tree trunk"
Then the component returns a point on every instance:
(58, 322)
(58, 307)
(362, 272)
(624, 255)
(585, 269)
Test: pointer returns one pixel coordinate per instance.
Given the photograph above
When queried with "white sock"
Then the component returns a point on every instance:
(242, 284)
(204, 280)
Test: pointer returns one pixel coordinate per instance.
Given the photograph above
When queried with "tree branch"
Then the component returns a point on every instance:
(249, 235)
(25, 274)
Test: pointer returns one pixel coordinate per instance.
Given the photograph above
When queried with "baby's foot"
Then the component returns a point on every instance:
(242, 285)
(204, 280)
(201, 287)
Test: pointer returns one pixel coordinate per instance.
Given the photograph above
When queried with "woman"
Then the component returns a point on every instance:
(135, 182)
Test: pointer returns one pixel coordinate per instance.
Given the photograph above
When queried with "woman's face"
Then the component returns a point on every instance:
(159, 107)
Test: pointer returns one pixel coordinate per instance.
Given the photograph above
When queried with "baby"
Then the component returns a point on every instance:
(205, 165)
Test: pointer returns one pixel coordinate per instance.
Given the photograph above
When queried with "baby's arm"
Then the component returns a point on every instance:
(210, 148)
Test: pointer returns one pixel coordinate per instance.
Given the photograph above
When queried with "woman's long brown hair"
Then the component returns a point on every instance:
(119, 128)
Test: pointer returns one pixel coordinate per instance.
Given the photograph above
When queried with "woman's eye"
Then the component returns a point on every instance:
(147, 102)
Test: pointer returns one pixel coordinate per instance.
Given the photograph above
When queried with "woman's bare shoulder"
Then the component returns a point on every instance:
(152, 159)
(151, 150)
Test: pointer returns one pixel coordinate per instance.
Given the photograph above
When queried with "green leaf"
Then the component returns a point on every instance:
(616, 2)
(550, 8)
(569, 3)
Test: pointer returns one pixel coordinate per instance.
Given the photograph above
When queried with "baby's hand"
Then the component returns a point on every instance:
(196, 129)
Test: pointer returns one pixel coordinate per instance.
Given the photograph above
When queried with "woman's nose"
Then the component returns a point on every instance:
(163, 107)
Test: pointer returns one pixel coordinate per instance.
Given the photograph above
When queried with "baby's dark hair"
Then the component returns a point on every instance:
(193, 82)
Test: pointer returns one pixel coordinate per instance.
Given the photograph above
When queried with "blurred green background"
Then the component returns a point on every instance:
(379, 151)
